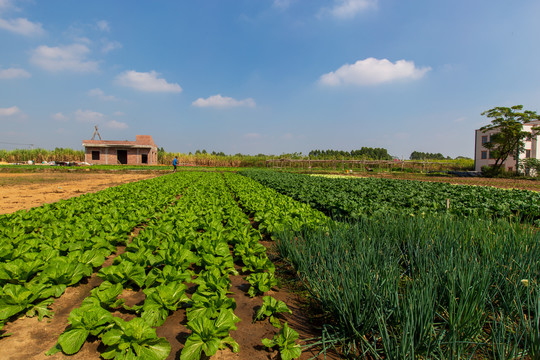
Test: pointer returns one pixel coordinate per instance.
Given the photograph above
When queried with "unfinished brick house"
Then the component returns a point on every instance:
(142, 151)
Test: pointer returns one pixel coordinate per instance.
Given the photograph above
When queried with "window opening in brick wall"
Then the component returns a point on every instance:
(95, 155)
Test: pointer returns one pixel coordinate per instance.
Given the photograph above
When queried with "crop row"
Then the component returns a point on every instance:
(181, 259)
(352, 198)
(406, 287)
(48, 248)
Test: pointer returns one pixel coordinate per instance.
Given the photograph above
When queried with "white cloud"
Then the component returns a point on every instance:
(109, 46)
(88, 116)
(373, 71)
(101, 95)
(59, 58)
(103, 25)
(252, 136)
(119, 113)
(22, 26)
(219, 101)
(59, 117)
(9, 111)
(13, 73)
(113, 124)
(346, 9)
(146, 81)
(461, 119)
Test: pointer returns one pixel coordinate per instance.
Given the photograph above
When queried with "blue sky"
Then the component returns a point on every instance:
(265, 76)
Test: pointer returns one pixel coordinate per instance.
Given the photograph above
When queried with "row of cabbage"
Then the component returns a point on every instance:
(182, 259)
(355, 197)
(46, 249)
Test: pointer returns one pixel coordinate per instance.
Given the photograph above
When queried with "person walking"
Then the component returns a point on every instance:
(175, 163)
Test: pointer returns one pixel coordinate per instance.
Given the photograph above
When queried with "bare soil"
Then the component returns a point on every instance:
(27, 190)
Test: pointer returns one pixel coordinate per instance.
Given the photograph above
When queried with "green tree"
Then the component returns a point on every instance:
(509, 138)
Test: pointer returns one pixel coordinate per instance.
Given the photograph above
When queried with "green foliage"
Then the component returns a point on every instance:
(107, 295)
(161, 300)
(134, 339)
(260, 283)
(417, 155)
(353, 198)
(209, 336)
(89, 319)
(258, 264)
(509, 136)
(270, 308)
(363, 153)
(30, 298)
(432, 287)
(125, 273)
(285, 340)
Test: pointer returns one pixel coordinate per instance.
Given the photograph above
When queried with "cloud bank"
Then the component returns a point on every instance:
(146, 81)
(64, 58)
(373, 71)
(13, 73)
(218, 101)
(9, 111)
(22, 26)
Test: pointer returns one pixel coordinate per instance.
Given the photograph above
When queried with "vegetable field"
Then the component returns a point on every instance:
(178, 267)
(192, 241)
(356, 197)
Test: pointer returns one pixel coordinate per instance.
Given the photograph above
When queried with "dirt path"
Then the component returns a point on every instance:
(27, 190)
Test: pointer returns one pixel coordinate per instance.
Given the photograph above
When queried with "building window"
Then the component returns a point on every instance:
(95, 155)
(484, 139)
(484, 155)
(527, 153)
(144, 158)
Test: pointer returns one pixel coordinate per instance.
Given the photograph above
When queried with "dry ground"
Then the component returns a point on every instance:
(27, 190)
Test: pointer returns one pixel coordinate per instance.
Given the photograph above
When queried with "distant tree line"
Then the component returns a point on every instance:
(363, 153)
(418, 155)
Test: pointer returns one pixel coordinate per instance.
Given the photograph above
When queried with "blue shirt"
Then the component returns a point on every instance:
(175, 162)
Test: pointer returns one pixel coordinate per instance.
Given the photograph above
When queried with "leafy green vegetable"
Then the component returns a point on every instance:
(107, 294)
(270, 308)
(162, 299)
(209, 304)
(209, 336)
(84, 321)
(124, 273)
(260, 283)
(285, 340)
(134, 339)
(15, 299)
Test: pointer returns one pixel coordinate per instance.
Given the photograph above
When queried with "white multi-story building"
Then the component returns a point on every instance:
(483, 157)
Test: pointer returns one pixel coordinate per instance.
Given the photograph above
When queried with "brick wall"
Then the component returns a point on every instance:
(108, 156)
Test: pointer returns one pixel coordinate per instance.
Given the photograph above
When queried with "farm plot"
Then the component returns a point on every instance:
(401, 287)
(352, 198)
(24, 190)
(180, 268)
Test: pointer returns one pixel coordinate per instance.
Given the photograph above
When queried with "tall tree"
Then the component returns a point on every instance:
(509, 138)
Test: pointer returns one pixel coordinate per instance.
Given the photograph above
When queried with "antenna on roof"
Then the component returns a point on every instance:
(96, 132)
